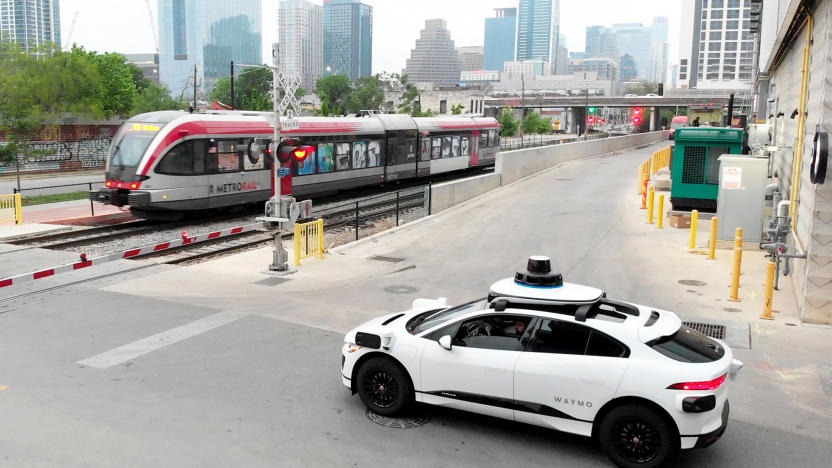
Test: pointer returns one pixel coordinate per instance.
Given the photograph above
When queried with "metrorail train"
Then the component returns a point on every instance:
(163, 164)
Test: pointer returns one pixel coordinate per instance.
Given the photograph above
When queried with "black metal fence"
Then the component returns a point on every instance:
(538, 140)
(29, 192)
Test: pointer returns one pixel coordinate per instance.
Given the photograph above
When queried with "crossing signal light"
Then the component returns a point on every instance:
(637, 111)
(302, 153)
(590, 119)
(591, 110)
(636, 120)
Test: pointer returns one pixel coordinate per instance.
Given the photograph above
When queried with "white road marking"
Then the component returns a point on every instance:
(160, 340)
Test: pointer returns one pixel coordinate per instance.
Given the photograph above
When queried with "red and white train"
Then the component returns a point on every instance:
(163, 164)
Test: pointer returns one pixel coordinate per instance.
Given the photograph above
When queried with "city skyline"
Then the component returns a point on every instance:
(393, 33)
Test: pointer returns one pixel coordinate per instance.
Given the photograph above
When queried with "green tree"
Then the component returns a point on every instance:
(334, 92)
(509, 123)
(457, 109)
(534, 123)
(367, 95)
(117, 81)
(155, 98)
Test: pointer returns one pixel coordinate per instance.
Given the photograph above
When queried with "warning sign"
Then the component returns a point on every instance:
(732, 178)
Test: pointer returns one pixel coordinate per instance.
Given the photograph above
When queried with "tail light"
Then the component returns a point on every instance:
(708, 385)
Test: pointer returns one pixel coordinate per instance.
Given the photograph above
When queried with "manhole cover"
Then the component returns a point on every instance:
(710, 329)
(688, 282)
(382, 258)
(408, 422)
(400, 289)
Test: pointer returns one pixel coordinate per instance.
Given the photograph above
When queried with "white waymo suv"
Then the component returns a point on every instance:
(554, 354)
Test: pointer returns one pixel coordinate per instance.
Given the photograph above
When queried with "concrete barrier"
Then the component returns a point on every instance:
(448, 194)
(514, 165)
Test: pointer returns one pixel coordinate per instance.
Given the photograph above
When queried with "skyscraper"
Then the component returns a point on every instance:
(30, 23)
(647, 45)
(348, 38)
(716, 47)
(471, 57)
(538, 30)
(500, 36)
(208, 34)
(600, 43)
(434, 59)
(301, 40)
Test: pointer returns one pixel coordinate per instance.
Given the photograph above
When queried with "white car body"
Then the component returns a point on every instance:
(567, 392)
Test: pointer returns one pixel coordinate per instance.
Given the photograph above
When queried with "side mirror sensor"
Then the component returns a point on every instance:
(445, 342)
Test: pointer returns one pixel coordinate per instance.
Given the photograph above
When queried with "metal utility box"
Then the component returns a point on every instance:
(742, 185)
(695, 166)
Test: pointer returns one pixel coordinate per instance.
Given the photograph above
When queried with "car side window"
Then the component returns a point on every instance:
(501, 332)
(605, 346)
(559, 337)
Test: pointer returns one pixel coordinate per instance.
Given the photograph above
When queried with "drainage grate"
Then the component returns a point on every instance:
(710, 329)
(382, 258)
(398, 423)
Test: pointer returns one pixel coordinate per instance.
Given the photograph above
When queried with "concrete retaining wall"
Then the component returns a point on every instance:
(514, 165)
(448, 194)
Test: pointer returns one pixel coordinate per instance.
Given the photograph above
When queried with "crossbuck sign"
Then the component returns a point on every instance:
(289, 83)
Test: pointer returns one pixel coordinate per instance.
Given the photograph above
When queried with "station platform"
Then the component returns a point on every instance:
(76, 212)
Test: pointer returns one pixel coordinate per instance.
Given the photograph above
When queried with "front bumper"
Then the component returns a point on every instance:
(120, 197)
(705, 440)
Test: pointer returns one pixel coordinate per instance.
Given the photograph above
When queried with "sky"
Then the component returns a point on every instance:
(124, 25)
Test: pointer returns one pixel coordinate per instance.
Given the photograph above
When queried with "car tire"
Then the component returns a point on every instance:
(384, 387)
(638, 436)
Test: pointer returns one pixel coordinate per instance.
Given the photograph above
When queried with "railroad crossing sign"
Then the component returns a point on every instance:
(289, 83)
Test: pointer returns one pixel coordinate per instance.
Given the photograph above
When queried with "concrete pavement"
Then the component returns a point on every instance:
(262, 389)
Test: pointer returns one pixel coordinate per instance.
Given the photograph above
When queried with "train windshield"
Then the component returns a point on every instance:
(131, 142)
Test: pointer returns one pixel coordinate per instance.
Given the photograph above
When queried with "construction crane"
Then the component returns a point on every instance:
(153, 26)
(68, 42)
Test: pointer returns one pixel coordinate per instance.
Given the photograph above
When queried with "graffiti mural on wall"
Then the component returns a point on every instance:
(66, 147)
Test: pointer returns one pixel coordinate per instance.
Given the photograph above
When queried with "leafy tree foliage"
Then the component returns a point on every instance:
(457, 109)
(509, 123)
(367, 94)
(117, 81)
(156, 97)
(535, 123)
(334, 91)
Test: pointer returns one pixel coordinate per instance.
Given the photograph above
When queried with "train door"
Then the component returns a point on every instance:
(226, 177)
(400, 160)
(475, 148)
(423, 165)
(392, 150)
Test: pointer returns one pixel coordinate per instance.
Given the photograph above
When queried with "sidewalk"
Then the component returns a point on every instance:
(586, 217)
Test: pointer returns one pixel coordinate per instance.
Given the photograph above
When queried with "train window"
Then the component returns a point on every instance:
(373, 154)
(342, 156)
(306, 165)
(446, 147)
(464, 146)
(229, 154)
(475, 144)
(179, 160)
(483, 139)
(411, 149)
(454, 146)
(325, 157)
(359, 155)
(492, 138)
(425, 149)
(437, 148)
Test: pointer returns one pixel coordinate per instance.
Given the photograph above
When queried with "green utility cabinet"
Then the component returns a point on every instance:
(695, 166)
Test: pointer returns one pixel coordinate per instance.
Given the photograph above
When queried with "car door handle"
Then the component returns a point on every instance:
(495, 370)
(592, 381)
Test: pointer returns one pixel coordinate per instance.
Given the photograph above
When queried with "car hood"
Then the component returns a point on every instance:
(377, 325)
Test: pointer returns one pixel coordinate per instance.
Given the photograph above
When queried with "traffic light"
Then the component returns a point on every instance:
(286, 152)
(591, 110)
(590, 119)
(637, 111)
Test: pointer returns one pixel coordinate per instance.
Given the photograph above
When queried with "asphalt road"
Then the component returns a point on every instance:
(75, 182)
(237, 380)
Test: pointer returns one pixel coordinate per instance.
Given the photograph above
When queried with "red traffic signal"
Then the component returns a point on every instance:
(590, 119)
(637, 111)
(636, 120)
(302, 153)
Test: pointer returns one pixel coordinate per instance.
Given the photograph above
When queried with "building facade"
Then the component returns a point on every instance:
(528, 67)
(600, 43)
(434, 59)
(30, 23)
(208, 35)
(538, 30)
(471, 58)
(716, 47)
(147, 63)
(348, 38)
(500, 36)
(783, 37)
(604, 67)
(301, 43)
(478, 77)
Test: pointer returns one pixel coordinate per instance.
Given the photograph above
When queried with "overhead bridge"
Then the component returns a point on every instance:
(606, 101)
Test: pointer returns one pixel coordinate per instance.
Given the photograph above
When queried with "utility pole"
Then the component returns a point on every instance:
(522, 104)
(232, 85)
(194, 88)
(586, 114)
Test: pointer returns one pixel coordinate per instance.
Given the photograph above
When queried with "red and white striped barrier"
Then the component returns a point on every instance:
(88, 262)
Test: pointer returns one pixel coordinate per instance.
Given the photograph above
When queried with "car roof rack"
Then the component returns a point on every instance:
(580, 310)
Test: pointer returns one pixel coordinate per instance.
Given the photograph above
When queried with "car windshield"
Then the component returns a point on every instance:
(678, 124)
(432, 318)
(131, 142)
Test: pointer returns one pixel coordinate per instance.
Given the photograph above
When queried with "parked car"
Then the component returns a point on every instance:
(677, 122)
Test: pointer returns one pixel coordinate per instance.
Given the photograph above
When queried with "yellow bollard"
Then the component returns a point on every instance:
(661, 212)
(694, 218)
(712, 244)
(769, 292)
(735, 276)
(650, 201)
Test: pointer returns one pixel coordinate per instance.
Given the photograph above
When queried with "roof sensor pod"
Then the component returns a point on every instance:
(539, 273)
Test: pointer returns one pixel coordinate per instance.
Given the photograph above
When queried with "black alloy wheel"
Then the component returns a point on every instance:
(638, 436)
(636, 441)
(384, 387)
(381, 388)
